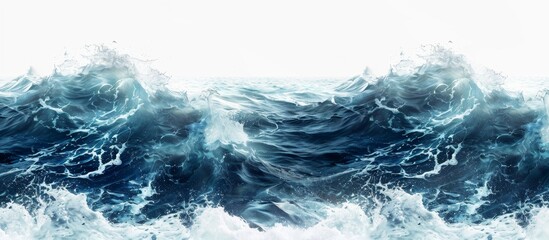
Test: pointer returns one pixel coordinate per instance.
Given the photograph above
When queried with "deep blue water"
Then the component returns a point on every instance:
(427, 144)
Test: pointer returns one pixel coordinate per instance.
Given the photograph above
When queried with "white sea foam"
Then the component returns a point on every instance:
(69, 217)
(222, 128)
(403, 217)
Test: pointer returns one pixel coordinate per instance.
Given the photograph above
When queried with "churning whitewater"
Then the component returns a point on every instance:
(107, 148)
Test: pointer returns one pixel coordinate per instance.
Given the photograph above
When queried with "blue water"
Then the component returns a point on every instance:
(108, 149)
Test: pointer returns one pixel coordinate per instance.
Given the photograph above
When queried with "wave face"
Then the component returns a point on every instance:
(106, 148)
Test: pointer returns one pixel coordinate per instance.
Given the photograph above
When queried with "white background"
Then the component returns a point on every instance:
(281, 38)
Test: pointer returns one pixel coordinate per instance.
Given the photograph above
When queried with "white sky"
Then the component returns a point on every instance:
(282, 38)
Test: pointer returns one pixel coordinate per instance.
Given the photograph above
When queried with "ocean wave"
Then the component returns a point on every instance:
(433, 149)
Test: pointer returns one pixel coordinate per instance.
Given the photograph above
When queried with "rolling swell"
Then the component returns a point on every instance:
(430, 136)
